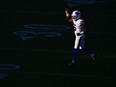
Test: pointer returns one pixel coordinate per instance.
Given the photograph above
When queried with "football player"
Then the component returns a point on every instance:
(79, 29)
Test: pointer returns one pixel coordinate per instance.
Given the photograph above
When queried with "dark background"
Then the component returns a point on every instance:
(43, 60)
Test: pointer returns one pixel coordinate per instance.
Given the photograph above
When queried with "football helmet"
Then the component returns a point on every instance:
(76, 14)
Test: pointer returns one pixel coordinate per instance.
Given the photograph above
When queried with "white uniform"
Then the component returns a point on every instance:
(79, 40)
(78, 25)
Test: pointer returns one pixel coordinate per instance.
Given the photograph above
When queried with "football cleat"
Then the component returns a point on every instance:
(72, 63)
(94, 56)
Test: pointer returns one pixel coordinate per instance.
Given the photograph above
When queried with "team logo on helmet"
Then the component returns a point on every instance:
(76, 14)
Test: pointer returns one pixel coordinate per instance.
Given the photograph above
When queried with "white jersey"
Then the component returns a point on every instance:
(77, 27)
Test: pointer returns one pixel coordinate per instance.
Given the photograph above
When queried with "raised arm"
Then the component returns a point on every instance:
(68, 16)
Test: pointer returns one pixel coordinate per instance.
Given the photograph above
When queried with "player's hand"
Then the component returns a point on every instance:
(66, 10)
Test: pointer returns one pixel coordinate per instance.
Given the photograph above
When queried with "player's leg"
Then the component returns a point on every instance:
(75, 50)
(85, 50)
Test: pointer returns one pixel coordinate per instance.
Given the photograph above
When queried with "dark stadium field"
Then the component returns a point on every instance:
(36, 46)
